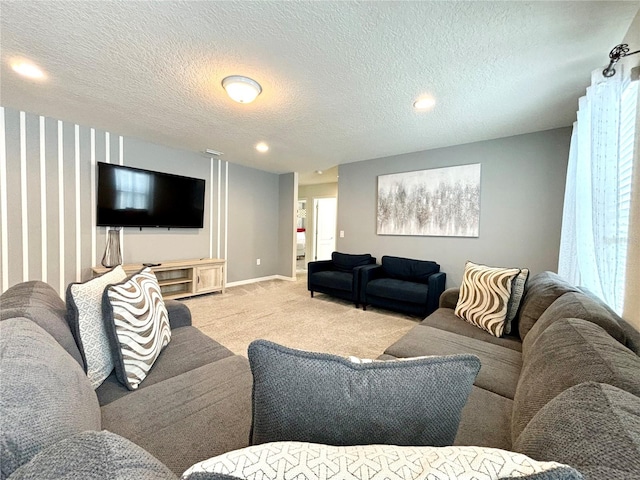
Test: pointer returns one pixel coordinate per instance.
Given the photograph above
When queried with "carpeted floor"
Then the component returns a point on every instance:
(283, 312)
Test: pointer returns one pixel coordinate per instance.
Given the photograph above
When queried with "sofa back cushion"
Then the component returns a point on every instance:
(567, 353)
(317, 397)
(579, 305)
(593, 427)
(45, 395)
(409, 269)
(346, 262)
(542, 290)
(40, 303)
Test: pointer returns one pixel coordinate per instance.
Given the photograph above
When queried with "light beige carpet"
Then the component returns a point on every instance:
(283, 312)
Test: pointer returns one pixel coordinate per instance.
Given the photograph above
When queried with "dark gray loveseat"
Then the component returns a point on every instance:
(565, 387)
(194, 404)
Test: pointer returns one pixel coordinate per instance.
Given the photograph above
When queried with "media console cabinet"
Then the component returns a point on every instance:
(183, 278)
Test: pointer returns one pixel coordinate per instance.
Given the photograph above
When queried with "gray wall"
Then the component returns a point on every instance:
(253, 223)
(48, 220)
(287, 224)
(522, 194)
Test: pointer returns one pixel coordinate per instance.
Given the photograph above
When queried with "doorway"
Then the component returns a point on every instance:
(324, 241)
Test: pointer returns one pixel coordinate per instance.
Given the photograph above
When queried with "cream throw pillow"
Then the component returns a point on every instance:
(312, 461)
(484, 296)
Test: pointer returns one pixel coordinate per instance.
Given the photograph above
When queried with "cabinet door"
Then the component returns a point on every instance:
(209, 278)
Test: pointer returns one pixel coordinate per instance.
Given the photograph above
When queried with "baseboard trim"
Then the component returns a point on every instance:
(260, 279)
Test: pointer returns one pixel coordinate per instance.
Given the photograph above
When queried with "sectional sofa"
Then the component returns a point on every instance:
(565, 387)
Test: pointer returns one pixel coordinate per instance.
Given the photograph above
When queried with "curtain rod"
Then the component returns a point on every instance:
(619, 51)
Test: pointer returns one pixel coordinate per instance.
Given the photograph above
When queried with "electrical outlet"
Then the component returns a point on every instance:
(341, 233)
(257, 261)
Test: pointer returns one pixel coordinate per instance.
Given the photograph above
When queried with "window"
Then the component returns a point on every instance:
(595, 224)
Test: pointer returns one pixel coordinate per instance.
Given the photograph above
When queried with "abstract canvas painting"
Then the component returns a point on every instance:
(437, 202)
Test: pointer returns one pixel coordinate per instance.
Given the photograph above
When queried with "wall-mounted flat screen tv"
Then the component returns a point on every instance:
(132, 197)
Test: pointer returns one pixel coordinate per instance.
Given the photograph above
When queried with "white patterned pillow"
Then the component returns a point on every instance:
(312, 461)
(84, 314)
(484, 296)
(138, 326)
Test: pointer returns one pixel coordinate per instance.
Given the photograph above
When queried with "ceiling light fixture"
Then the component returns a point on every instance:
(241, 89)
(319, 172)
(262, 147)
(424, 103)
(28, 70)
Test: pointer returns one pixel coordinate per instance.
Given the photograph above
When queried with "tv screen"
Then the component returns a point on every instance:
(132, 197)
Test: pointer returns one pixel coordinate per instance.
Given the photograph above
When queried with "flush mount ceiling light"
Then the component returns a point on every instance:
(319, 172)
(424, 103)
(241, 89)
(262, 147)
(27, 69)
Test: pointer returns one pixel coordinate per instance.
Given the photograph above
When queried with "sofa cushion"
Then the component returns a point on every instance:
(630, 336)
(45, 395)
(486, 420)
(94, 456)
(398, 290)
(593, 427)
(500, 368)
(180, 420)
(41, 304)
(138, 325)
(542, 290)
(316, 397)
(312, 461)
(570, 352)
(334, 279)
(84, 314)
(346, 262)
(445, 319)
(579, 305)
(409, 269)
(484, 296)
(189, 349)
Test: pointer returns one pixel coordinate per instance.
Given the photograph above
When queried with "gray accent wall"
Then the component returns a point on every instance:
(50, 219)
(287, 209)
(253, 223)
(522, 194)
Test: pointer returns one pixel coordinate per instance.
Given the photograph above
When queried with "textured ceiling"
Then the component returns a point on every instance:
(338, 78)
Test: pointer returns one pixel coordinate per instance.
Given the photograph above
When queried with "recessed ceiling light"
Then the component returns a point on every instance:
(319, 172)
(262, 147)
(241, 89)
(28, 70)
(424, 103)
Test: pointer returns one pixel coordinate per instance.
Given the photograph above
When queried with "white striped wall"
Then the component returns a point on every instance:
(48, 197)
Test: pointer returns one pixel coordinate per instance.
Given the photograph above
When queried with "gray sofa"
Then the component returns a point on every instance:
(194, 404)
(565, 388)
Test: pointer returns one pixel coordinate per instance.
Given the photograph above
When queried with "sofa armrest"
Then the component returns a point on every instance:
(436, 284)
(179, 314)
(449, 298)
(368, 273)
(315, 267)
(319, 266)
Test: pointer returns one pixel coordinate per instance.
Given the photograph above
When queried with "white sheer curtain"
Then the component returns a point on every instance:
(594, 226)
